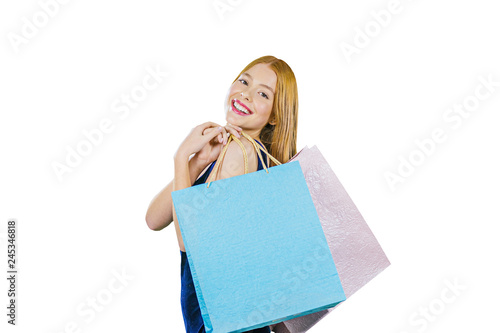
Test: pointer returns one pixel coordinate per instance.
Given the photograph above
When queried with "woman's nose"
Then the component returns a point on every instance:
(244, 95)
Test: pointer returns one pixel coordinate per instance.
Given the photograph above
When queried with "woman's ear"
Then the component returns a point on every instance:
(272, 122)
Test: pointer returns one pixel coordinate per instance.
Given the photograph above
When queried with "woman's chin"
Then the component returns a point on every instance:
(233, 119)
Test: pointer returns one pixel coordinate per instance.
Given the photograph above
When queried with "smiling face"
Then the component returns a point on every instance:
(249, 101)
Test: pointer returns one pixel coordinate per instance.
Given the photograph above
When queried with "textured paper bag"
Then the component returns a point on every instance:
(357, 254)
(256, 249)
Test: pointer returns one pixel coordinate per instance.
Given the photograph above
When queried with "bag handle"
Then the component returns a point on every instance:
(257, 147)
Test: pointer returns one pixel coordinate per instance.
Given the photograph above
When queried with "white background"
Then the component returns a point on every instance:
(438, 225)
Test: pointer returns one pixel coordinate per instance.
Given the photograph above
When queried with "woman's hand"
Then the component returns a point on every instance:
(211, 151)
(206, 141)
(213, 148)
(196, 140)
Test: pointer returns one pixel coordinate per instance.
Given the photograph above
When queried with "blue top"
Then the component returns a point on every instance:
(189, 302)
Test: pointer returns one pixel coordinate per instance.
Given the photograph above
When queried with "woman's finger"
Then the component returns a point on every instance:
(210, 136)
(206, 128)
(234, 126)
(224, 136)
(235, 130)
(219, 136)
(212, 127)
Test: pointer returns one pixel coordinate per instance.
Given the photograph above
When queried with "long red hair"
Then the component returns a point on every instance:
(280, 139)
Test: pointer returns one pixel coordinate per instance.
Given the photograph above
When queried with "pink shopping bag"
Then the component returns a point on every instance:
(356, 252)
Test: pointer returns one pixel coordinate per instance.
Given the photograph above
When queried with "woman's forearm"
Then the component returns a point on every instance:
(159, 214)
(181, 180)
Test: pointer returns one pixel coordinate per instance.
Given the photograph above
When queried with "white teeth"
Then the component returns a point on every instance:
(240, 108)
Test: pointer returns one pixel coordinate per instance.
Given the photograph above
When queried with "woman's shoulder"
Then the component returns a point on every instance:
(233, 163)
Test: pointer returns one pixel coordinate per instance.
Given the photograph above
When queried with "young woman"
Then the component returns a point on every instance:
(263, 103)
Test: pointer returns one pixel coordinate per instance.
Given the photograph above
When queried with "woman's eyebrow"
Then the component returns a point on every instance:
(264, 85)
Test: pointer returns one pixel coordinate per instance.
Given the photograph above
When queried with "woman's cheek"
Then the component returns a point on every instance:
(232, 90)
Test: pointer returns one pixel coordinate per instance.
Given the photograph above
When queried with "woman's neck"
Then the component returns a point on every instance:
(255, 134)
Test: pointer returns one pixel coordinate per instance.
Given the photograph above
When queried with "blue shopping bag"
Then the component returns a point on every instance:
(244, 278)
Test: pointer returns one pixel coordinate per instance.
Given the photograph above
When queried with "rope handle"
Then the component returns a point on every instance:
(257, 147)
(221, 157)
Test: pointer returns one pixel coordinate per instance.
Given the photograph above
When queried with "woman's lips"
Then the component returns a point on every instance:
(241, 105)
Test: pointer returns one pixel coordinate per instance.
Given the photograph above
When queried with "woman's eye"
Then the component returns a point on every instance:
(264, 95)
(244, 82)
